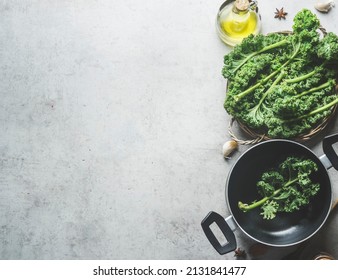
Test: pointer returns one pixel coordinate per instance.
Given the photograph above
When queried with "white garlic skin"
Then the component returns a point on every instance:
(324, 7)
(229, 147)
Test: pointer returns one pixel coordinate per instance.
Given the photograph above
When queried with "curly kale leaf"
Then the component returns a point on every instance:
(298, 104)
(286, 188)
(270, 209)
(269, 182)
(305, 20)
(249, 48)
(328, 48)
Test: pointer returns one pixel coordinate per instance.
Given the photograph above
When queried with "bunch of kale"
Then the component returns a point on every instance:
(286, 188)
(283, 85)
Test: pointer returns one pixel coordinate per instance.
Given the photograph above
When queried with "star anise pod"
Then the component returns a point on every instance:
(280, 14)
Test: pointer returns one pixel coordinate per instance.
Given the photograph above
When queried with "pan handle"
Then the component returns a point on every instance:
(329, 152)
(226, 230)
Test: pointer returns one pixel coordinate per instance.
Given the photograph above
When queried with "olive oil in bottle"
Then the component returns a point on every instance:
(237, 20)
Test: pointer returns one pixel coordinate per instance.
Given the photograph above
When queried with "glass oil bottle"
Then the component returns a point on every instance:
(237, 19)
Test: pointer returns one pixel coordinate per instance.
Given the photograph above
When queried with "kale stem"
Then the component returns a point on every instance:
(263, 81)
(260, 83)
(279, 78)
(266, 48)
(273, 46)
(301, 78)
(325, 85)
(316, 111)
(245, 207)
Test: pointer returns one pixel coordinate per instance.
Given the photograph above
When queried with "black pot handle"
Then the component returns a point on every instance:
(328, 142)
(226, 230)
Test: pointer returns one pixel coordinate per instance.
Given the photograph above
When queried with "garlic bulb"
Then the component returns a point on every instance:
(324, 7)
(229, 147)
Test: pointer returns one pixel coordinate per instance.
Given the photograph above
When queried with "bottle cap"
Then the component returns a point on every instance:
(242, 5)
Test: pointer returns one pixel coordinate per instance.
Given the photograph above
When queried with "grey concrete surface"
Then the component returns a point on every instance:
(112, 125)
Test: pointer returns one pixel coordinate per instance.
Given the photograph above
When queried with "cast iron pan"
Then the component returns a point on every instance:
(287, 228)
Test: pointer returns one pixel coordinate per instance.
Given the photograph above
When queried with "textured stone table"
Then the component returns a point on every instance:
(112, 125)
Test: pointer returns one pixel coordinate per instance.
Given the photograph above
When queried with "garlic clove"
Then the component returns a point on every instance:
(324, 7)
(229, 147)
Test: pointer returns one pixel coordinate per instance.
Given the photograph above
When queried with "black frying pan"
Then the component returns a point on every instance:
(287, 228)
